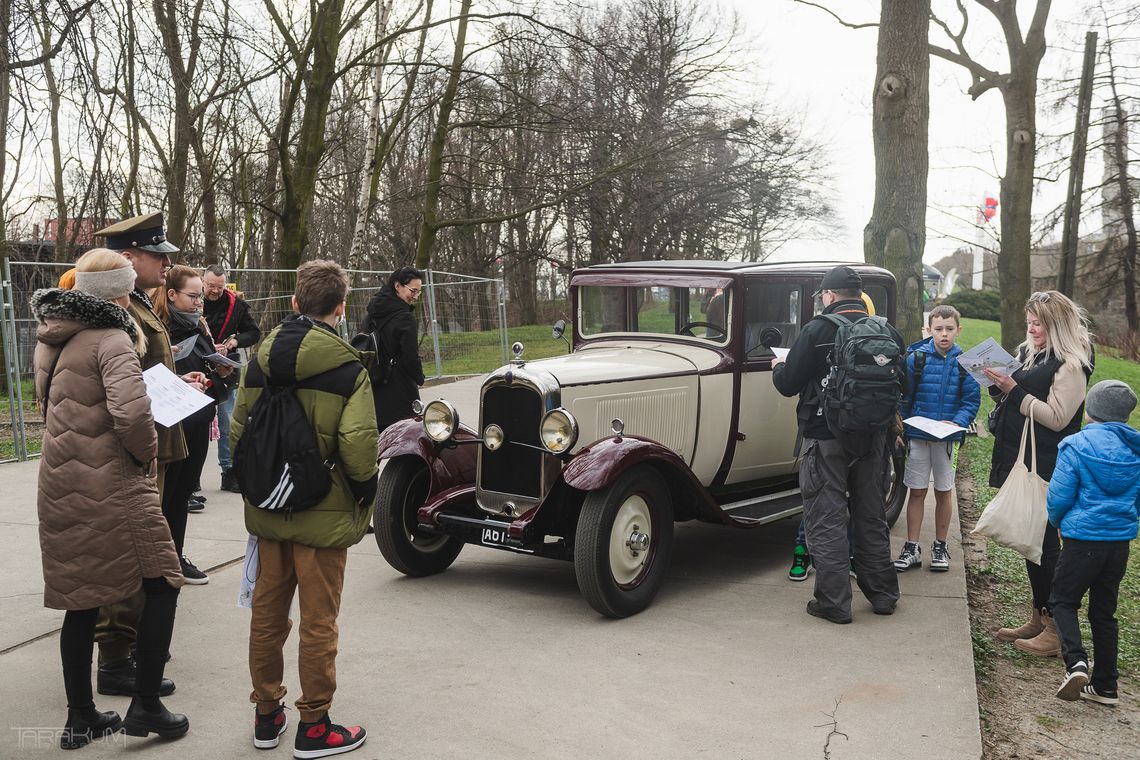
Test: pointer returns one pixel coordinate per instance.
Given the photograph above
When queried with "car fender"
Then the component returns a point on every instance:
(599, 465)
(451, 464)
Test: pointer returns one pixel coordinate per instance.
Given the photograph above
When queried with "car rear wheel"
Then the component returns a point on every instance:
(894, 465)
(623, 543)
(403, 486)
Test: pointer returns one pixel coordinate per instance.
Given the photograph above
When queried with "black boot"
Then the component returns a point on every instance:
(229, 482)
(149, 716)
(86, 724)
(118, 679)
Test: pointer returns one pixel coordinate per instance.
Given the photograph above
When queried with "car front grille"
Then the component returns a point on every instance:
(513, 469)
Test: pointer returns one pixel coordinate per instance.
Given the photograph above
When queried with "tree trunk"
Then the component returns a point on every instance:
(1016, 195)
(371, 166)
(1128, 250)
(167, 23)
(61, 252)
(895, 236)
(428, 229)
(299, 174)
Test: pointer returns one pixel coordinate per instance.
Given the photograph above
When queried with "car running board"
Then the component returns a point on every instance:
(767, 508)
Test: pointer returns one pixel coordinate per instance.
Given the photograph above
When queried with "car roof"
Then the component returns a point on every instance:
(711, 266)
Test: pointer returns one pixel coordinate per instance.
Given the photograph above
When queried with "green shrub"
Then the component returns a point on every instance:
(976, 304)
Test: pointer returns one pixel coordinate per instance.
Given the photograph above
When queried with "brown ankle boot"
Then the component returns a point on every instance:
(1044, 644)
(1024, 631)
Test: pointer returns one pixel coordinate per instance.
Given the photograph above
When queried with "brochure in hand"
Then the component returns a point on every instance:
(219, 360)
(987, 355)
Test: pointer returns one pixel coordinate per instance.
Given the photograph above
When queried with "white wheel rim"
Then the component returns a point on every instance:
(632, 519)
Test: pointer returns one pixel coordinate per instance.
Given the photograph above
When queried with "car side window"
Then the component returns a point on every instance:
(771, 315)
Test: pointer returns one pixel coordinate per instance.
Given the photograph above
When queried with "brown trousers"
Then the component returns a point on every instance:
(117, 626)
(318, 576)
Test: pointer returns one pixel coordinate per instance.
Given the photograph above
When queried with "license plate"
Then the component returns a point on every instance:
(495, 536)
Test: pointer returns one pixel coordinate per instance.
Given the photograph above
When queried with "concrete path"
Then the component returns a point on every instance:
(499, 657)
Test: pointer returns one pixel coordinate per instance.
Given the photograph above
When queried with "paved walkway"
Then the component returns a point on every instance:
(499, 657)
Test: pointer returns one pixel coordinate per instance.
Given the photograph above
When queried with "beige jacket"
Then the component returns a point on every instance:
(101, 525)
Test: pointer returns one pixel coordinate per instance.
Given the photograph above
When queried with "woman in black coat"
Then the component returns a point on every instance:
(391, 315)
(1057, 361)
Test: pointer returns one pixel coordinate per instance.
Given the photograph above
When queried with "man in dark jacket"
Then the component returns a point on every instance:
(231, 323)
(392, 317)
(143, 242)
(828, 472)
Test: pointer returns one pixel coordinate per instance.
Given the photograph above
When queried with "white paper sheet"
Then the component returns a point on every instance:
(171, 398)
(222, 360)
(936, 428)
(987, 355)
(781, 353)
(184, 349)
(250, 568)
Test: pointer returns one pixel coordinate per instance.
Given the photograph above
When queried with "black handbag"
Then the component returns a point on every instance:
(994, 417)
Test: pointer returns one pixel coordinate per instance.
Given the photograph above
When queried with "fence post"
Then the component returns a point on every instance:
(433, 323)
(12, 367)
(502, 320)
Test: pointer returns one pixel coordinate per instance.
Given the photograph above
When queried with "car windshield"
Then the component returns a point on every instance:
(697, 312)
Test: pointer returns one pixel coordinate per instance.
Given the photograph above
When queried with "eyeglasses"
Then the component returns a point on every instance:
(195, 297)
(1041, 296)
(413, 291)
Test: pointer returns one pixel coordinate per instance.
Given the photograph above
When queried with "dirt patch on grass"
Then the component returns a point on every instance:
(1020, 716)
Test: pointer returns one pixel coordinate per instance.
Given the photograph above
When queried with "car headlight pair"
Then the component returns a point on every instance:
(558, 430)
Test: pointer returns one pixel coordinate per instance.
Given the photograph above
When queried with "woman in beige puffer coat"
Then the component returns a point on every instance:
(102, 533)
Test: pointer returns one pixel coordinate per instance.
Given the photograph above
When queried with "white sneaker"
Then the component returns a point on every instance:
(910, 556)
(939, 557)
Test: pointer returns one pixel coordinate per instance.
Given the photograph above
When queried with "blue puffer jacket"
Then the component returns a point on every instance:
(1094, 494)
(944, 392)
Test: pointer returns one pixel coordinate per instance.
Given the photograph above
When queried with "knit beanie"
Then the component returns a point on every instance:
(1110, 401)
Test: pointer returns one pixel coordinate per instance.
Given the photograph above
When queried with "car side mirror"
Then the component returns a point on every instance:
(559, 331)
(771, 336)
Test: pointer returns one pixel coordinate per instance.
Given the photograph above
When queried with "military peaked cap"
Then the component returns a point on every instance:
(144, 232)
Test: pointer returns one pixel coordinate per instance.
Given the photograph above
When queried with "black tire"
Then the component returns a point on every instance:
(403, 486)
(617, 580)
(894, 467)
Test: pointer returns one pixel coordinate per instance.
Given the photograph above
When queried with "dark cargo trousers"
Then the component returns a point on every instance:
(828, 474)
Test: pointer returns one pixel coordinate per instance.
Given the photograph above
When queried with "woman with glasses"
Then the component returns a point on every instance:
(179, 304)
(1056, 363)
(391, 316)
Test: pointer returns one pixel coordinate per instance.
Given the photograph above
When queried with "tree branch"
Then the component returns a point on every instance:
(848, 24)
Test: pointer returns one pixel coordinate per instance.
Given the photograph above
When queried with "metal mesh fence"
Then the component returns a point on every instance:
(462, 329)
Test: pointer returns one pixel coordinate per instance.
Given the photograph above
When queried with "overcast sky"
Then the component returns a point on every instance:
(826, 72)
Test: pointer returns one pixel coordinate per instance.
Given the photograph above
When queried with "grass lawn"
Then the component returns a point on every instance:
(1006, 566)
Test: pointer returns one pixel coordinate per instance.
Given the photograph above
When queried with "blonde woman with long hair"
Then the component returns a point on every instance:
(102, 535)
(1056, 364)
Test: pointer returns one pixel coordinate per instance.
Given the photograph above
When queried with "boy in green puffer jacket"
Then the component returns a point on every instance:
(306, 550)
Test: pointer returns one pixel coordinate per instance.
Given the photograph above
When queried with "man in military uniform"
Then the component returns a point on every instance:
(143, 242)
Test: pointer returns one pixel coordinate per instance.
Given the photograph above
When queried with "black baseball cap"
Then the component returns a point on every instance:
(840, 278)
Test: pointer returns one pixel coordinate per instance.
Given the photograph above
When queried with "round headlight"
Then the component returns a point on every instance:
(493, 437)
(558, 431)
(440, 420)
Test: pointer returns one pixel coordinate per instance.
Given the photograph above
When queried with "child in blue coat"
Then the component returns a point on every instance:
(939, 390)
(1094, 498)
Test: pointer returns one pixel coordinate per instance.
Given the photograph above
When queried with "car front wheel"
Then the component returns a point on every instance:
(894, 465)
(403, 486)
(623, 543)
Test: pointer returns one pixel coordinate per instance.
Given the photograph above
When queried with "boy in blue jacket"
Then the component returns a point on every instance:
(1094, 498)
(939, 390)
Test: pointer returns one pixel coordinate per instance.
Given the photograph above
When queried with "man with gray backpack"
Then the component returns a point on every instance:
(847, 368)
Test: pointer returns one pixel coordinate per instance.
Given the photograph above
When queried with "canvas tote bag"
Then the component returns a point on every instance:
(1017, 515)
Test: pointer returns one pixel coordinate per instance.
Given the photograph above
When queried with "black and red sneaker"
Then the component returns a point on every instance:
(325, 738)
(267, 729)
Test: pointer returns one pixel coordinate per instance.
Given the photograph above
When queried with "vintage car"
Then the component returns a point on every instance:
(664, 411)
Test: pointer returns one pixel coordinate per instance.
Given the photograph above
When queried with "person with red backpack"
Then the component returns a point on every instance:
(842, 449)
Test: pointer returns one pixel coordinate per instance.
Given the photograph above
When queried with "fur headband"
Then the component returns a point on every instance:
(110, 284)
